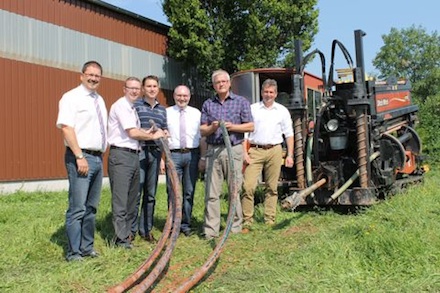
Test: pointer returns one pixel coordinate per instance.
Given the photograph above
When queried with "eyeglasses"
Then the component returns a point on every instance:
(133, 88)
(221, 81)
(92, 75)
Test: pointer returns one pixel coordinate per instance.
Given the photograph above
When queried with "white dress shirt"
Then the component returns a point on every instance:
(122, 116)
(270, 124)
(192, 120)
(77, 110)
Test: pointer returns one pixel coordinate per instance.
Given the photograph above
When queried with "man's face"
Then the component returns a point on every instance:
(151, 88)
(132, 90)
(181, 96)
(221, 84)
(91, 78)
(269, 93)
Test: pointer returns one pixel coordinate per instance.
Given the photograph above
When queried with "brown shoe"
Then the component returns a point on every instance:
(269, 223)
(150, 238)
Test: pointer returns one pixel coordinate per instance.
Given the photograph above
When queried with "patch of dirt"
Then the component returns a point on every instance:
(303, 228)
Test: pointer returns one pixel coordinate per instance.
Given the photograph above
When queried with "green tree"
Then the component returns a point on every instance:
(237, 35)
(412, 54)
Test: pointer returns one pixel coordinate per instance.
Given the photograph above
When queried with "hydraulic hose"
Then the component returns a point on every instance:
(177, 211)
(190, 282)
(173, 222)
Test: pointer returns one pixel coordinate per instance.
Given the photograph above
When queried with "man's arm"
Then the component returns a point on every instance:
(206, 130)
(142, 134)
(244, 127)
(203, 149)
(289, 155)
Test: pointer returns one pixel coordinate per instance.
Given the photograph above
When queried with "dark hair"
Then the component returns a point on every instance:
(153, 77)
(91, 63)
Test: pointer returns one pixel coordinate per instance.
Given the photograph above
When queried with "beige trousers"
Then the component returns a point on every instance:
(269, 162)
(217, 170)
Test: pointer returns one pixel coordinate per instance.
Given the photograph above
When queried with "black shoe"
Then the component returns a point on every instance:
(187, 233)
(125, 245)
(73, 258)
(92, 254)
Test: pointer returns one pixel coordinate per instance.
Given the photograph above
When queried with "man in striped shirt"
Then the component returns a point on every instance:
(148, 108)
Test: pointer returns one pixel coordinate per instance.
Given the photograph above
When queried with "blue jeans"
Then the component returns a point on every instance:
(149, 161)
(186, 165)
(84, 195)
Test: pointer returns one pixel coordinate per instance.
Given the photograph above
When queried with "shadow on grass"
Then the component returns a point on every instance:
(60, 238)
(104, 227)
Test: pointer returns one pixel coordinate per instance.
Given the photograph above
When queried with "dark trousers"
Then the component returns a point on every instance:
(186, 165)
(149, 160)
(123, 170)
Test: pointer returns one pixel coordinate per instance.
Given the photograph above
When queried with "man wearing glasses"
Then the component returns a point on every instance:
(82, 118)
(124, 133)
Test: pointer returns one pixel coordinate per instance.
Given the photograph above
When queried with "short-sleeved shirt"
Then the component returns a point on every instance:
(122, 117)
(235, 109)
(270, 124)
(77, 110)
(145, 112)
(192, 122)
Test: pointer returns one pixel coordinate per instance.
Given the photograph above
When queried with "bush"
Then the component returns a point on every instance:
(429, 126)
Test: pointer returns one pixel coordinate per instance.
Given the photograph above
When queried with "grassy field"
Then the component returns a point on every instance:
(391, 247)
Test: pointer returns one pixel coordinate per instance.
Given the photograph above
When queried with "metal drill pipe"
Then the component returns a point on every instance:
(361, 129)
(292, 201)
(299, 153)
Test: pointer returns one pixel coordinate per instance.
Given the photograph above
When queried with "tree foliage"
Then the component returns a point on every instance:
(412, 54)
(237, 35)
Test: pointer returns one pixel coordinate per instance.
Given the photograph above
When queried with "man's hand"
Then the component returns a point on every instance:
(288, 162)
(83, 166)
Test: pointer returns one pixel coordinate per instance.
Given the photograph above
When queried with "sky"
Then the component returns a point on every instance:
(338, 19)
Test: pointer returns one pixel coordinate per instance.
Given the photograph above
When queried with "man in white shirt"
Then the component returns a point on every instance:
(82, 118)
(184, 141)
(124, 133)
(272, 122)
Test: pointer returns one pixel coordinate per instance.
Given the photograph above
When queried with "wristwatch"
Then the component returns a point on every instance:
(79, 157)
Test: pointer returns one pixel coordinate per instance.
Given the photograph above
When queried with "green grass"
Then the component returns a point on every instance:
(391, 247)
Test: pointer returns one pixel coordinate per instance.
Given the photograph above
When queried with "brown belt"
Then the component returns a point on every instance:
(264, 147)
